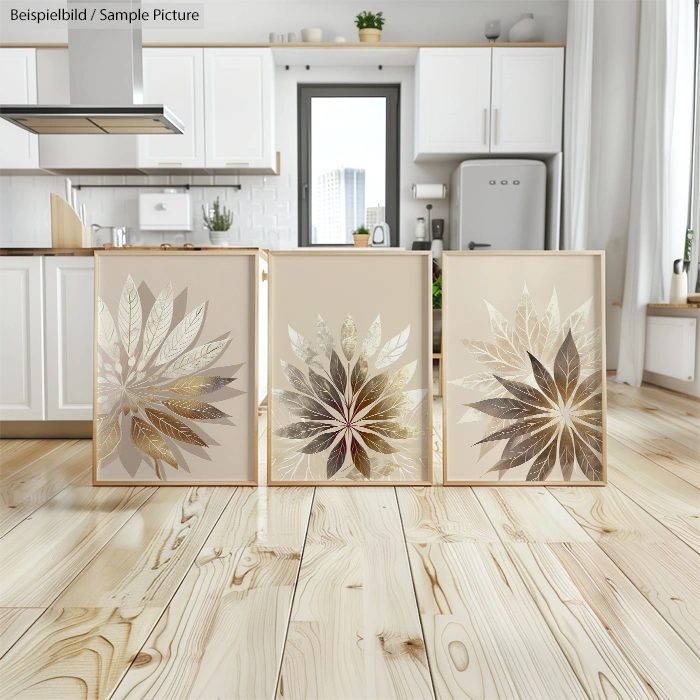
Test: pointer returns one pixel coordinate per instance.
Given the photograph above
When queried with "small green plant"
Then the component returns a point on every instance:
(437, 293)
(218, 218)
(361, 231)
(368, 20)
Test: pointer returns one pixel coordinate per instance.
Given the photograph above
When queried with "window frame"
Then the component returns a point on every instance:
(305, 93)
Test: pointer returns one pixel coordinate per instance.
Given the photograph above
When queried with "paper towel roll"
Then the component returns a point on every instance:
(432, 191)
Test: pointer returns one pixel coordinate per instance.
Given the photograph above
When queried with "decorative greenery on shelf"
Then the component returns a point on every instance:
(437, 293)
(361, 231)
(368, 20)
(218, 218)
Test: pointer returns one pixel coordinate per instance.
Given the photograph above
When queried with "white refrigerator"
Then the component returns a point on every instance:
(498, 205)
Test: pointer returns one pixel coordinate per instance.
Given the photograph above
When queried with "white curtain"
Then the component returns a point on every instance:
(661, 161)
(577, 120)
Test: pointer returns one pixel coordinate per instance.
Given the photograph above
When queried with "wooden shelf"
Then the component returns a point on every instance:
(673, 306)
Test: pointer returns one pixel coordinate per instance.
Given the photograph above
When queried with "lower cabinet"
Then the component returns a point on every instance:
(22, 393)
(69, 289)
(46, 342)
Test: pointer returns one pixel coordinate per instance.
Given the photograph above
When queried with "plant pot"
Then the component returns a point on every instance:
(370, 36)
(218, 238)
(360, 240)
(437, 330)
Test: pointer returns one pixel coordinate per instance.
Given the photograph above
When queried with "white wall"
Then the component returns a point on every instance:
(407, 20)
(613, 97)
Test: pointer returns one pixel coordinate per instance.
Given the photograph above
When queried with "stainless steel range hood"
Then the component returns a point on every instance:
(106, 88)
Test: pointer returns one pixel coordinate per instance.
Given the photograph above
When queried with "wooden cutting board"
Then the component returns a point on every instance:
(67, 230)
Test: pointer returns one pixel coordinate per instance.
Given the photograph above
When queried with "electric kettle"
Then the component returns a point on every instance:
(380, 237)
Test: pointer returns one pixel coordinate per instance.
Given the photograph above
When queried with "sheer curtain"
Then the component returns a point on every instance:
(577, 118)
(661, 170)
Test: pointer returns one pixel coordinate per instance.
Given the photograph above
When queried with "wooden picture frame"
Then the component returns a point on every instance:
(175, 426)
(363, 310)
(499, 309)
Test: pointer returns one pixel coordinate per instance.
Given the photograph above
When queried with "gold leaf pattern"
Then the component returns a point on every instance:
(350, 410)
(157, 324)
(130, 317)
(147, 439)
(198, 385)
(393, 349)
(348, 337)
(196, 359)
(196, 410)
(182, 336)
(174, 428)
(108, 437)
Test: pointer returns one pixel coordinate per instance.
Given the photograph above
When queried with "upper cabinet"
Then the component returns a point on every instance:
(482, 100)
(453, 98)
(527, 93)
(239, 106)
(174, 77)
(19, 150)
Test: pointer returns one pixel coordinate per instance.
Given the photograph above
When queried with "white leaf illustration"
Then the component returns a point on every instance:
(549, 330)
(157, 324)
(324, 337)
(302, 348)
(182, 336)
(196, 359)
(373, 338)
(393, 349)
(576, 322)
(471, 415)
(482, 381)
(502, 331)
(130, 317)
(107, 331)
(527, 326)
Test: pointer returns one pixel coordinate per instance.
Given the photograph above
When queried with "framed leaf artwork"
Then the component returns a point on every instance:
(350, 368)
(176, 367)
(524, 373)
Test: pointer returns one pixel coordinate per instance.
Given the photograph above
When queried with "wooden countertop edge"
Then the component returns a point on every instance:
(91, 251)
(313, 45)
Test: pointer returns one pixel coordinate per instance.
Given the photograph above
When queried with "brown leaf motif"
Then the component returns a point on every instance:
(345, 412)
(148, 372)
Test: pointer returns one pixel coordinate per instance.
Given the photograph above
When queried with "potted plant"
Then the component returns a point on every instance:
(370, 26)
(217, 221)
(437, 310)
(360, 237)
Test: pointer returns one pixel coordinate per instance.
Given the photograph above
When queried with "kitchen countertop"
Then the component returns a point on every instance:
(91, 251)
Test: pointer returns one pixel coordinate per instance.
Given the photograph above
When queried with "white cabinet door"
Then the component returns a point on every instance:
(239, 108)
(19, 150)
(21, 338)
(526, 100)
(453, 94)
(70, 291)
(175, 78)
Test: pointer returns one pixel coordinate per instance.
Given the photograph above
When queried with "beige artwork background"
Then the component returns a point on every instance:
(333, 284)
(226, 282)
(470, 280)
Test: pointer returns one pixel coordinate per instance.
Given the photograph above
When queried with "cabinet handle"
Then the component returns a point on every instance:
(264, 276)
(495, 126)
(242, 165)
(170, 163)
(485, 124)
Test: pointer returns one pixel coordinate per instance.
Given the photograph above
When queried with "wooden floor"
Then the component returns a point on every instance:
(226, 593)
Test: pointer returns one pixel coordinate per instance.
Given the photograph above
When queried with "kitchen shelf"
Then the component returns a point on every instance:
(673, 306)
(308, 45)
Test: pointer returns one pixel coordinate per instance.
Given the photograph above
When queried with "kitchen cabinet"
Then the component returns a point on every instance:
(19, 150)
(472, 101)
(527, 92)
(174, 77)
(69, 293)
(453, 95)
(21, 338)
(239, 105)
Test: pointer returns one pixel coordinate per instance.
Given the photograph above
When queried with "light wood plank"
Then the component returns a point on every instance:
(485, 637)
(597, 661)
(44, 553)
(443, 514)
(14, 622)
(354, 629)
(21, 453)
(85, 642)
(22, 492)
(529, 514)
(223, 632)
(673, 501)
(666, 664)
(685, 407)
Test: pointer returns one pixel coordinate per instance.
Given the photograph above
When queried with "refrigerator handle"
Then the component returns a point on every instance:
(473, 245)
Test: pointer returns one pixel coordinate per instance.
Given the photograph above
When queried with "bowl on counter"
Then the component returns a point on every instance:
(312, 36)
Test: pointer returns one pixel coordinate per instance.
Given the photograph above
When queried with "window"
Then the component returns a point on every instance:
(348, 161)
